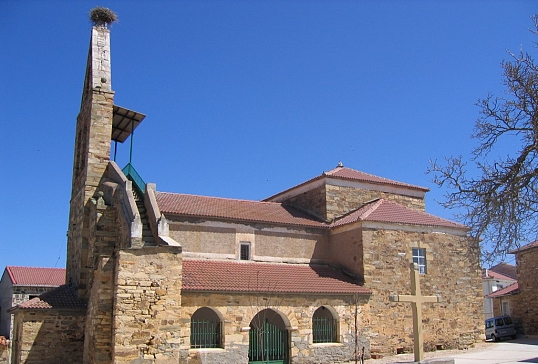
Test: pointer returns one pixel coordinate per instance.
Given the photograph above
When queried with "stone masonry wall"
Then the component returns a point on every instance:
(514, 313)
(330, 201)
(102, 239)
(220, 240)
(347, 250)
(453, 273)
(313, 200)
(92, 154)
(525, 307)
(4, 350)
(147, 307)
(195, 237)
(19, 295)
(48, 336)
(341, 200)
(291, 244)
(238, 310)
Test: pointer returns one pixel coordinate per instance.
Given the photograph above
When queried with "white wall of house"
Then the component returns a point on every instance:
(490, 285)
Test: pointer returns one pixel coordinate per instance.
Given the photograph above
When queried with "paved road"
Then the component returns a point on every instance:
(524, 350)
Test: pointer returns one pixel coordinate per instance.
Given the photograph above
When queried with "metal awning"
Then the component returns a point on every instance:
(124, 123)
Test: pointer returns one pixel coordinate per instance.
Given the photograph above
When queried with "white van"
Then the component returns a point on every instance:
(500, 326)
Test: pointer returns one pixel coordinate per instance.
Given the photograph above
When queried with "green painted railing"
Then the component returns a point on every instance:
(205, 334)
(268, 345)
(133, 176)
(323, 330)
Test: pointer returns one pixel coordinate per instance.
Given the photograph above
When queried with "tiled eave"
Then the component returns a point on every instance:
(176, 216)
(506, 291)
(248, 277)
(176, 205)
(354, 178)
(63, 297)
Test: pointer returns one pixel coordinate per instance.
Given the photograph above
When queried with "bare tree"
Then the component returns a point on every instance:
(498, 197)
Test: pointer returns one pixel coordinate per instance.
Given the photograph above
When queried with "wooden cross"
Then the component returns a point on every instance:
(416, 300)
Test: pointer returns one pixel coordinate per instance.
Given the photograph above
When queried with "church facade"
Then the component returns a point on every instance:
(304, 276)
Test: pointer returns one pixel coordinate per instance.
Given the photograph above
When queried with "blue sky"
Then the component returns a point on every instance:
(244, 98)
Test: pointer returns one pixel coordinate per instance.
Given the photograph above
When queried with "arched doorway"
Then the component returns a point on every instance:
(268, 339)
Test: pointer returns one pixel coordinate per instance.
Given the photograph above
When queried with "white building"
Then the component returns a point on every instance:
(493, 279)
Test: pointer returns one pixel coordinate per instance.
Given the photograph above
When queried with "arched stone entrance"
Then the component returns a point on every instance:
(268, 339)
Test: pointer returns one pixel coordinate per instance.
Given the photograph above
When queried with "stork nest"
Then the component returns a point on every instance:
(102, 16)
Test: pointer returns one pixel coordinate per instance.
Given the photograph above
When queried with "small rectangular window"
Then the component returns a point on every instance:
(419, 257)
(244, 253)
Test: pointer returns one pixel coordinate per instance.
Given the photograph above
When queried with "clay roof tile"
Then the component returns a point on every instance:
(63, 297)
(506, 291)
(382, 210)
(224, 208)
(249, 276)
(32, 276)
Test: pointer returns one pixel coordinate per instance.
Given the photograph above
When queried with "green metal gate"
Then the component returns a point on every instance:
(268, 345)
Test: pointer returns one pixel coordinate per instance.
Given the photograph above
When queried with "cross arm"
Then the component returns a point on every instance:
(412, 298)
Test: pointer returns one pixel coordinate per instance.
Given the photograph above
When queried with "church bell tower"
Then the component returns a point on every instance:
(92, 152)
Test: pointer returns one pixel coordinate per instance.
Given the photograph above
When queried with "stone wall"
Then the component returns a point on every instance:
(525, 308)
(48, 336)
(453, 273)
(292, 244)
(220, 240)
(514, 313)
(104, 234)
(329, 201)
(199, 236)
(341, 199)
(92, 154)
(238, 310)
(15, 295)
(347, 249)
(4, 350)
(313, 200)
(147, 307)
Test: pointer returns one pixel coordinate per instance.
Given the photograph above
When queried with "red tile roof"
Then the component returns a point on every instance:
(532, 245)
(505, 270)
(506, 291)
(351, 174)
(249, 276)
(63, 297)
(30, 276)
(345, 173)
(382, 210)
(224, 208)
(496, 275)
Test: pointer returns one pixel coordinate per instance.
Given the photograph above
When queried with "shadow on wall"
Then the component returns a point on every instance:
(59, 338)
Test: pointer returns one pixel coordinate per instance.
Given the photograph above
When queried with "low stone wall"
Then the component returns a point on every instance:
(48, 336)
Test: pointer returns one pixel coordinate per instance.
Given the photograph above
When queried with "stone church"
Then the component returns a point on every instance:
(303, 276)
